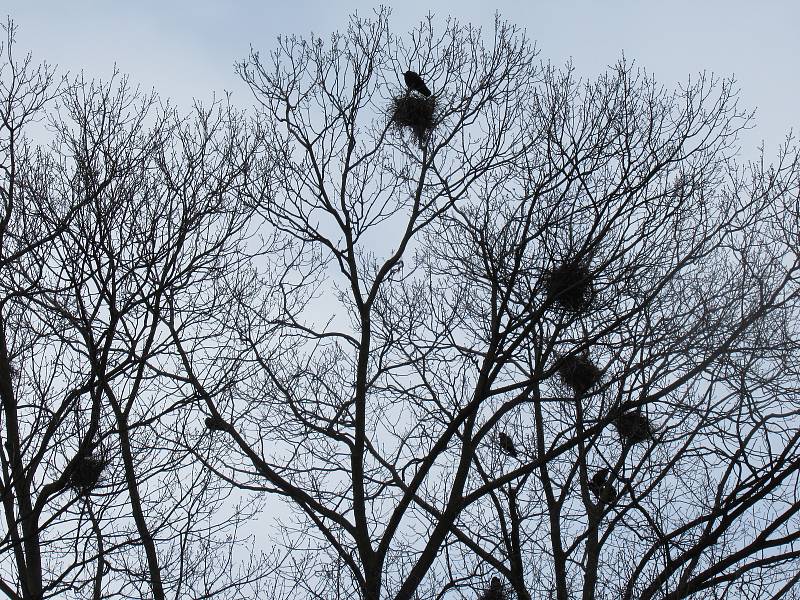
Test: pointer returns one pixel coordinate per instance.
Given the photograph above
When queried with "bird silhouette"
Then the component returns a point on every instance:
(597, 480)
(607, 494)
(507, 445)
(600, 487)
(215, 424)
(494, 591)
(415, 82)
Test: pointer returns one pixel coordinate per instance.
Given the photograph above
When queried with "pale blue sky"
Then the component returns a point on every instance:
(187, 48)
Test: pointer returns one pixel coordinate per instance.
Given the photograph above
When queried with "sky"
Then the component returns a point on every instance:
(186, 49)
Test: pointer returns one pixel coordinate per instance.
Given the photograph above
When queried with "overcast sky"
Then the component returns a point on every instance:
(186, 49)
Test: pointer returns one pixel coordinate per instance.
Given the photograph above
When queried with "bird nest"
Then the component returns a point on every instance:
(579, 373)
(634, 427)
(416, 113)
(86, 472)
(570, 285)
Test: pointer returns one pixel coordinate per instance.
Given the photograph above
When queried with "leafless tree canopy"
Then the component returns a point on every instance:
(126, 209)
(541, 342)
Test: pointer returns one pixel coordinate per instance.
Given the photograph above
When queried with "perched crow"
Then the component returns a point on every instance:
(607, 494)
(414, 82)
(597, 481)
(216, 424)
(495, 590)
(600, 487)
(507, 446)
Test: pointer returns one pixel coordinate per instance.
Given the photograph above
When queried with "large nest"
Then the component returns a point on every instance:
(633, 427)
(86, 472)
(579, 373)
(416, 113)
(570, 285)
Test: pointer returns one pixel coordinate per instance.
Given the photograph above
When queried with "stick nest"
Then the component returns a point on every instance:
(634, 427)
(570, 286)
(86, 473)
(416, 113)
(579, 373)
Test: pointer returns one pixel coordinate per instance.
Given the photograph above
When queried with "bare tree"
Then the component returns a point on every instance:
(653, 400)
(317, 415)
(581, 266)
(524, 335)
(129, 207)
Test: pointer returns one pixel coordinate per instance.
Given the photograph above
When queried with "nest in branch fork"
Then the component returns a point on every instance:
(579, 373)
(86, 472)
(416, 112)
(570, 286)
(634, 427)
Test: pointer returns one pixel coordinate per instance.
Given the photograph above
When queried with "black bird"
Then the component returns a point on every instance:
(414, 82)
(507, 446)
(607, 494)
(495, 590)
(600, 487)
(597, 481)
(215, 424)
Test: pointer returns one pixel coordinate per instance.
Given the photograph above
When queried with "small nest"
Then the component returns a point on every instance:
(415, 112)
(634, 427)
(570, 286)
(579, 373)
(86, 473)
